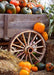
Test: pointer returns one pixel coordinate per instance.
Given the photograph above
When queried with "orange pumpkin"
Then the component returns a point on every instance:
(34, 68)
(9, 11)
(22, 64)
(39, 27)
(31, 5)
(24, 72)
(25, 68)
(25, 64)
(18, 9)
(49, 66)
(39, 5)
(45, 36)
(15, 2)
(23, 3)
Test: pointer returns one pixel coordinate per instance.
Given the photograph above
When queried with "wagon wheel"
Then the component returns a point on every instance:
(28, 45)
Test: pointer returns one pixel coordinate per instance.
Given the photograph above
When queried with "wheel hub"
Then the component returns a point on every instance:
(28, 49)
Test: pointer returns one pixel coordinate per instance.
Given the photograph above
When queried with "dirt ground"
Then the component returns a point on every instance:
(43, 72)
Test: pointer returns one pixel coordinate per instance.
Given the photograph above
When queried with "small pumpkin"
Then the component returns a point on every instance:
(45, 36)
(49, 66)
(39, 5)
(24, 72)
(18, 9)
(40, 66)
(10, 8)
(5, 3)
(31, 5)
(15, 2)
(36, 10)
(23, 3)
(39, 27)
(2, 8)
(25, 64)
(34, 68)
(26, 10)
(25, 68)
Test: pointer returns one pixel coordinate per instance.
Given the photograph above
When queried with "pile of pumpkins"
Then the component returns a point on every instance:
(20, 7)
(27, 67)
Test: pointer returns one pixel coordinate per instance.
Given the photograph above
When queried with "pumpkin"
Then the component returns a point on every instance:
(23, 3)
(31, 5)
(26, 10)
(36, 10)
(10, 8)
(5, 3)
(39, 5)
(39, 27)
(25, 68)
(25, 64)
(40, 66)
(34, 68)
(18, 9)
(24, 72)
(2, 8)
(15, 2)
(49, 66)
(45, 36)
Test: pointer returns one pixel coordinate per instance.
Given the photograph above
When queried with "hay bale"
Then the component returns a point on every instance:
(8, 63)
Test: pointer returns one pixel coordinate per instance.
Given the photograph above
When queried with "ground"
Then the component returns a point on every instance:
(43, 72)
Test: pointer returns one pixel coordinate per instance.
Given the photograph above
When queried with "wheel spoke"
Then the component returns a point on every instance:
(16, 50)
(26, 57)
(20, 54)
(18, 46)
(33, 39)
(21, 42)
(29, 37)
(39, 46)
(35, 57)
(23, 57)
(38, 52)
(30, 58)
(24, 39)
(37, 42)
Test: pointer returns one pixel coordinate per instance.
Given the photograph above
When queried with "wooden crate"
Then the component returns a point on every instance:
(10, 24)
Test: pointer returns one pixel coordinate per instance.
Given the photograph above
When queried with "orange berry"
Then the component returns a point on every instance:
(24, 72)
(45, 36)
(39, 27)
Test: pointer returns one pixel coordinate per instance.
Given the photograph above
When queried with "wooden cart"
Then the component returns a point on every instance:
(30, 44)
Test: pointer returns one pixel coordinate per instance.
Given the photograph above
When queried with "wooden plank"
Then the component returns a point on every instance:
(1, 20)
(1, 32)
(19, 22)
(25, 20)
(5, 33)
(13, 31)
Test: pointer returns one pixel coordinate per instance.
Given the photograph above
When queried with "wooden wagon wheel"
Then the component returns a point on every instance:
(28, 45)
